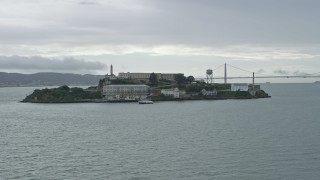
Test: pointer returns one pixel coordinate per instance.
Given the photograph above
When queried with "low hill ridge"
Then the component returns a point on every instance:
(48, 79)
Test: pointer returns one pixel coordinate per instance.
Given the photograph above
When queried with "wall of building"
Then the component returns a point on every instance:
(146, 76)
(239, 87)
(125, 92)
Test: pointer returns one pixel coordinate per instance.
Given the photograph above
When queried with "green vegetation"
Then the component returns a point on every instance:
(62, 94)
(153, 80)
(261, 94)
(190, 79)
(92, 88)
(180, 79)
(165, 82)
(234, 94)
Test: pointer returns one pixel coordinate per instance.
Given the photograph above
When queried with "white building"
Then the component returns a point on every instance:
(239, 87)
(171, 92)
(125, 92)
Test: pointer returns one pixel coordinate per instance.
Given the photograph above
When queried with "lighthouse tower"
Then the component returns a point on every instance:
(111, 70)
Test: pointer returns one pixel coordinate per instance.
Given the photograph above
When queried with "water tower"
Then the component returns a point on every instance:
(209, 73)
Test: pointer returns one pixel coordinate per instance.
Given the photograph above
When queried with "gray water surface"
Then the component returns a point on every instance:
(276, 138)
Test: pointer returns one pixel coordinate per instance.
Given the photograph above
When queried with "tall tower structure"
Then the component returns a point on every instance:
(209, 73)
(111, 70)
(253, 79)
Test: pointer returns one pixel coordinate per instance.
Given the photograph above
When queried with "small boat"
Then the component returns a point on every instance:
(145, 102)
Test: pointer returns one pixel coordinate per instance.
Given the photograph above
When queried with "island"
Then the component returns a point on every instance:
(150, 86)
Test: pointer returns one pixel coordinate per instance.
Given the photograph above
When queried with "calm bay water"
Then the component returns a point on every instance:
(275, 138)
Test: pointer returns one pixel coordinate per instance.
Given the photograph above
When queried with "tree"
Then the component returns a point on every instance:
(64, 87)
(180, 79)
(190, 79)
(153, 79)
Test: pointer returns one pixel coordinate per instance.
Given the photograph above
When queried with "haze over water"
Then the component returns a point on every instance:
(275, 138)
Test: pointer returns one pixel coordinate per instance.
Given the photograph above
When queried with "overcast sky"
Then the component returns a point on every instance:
(272, 37)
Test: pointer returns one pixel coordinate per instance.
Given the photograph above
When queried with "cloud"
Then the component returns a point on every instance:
(158, 22)
(282, 72)
(245, 52)
(299, 73)
(38, 63)
(175, 32)
(261, 71)
(88, 3)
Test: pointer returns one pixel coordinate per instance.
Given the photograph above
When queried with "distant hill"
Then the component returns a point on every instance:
(48, 79)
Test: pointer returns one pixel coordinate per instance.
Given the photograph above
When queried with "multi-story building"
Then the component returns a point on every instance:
(142, 76)
(125, 92)
(146, 76)
(239, 87)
